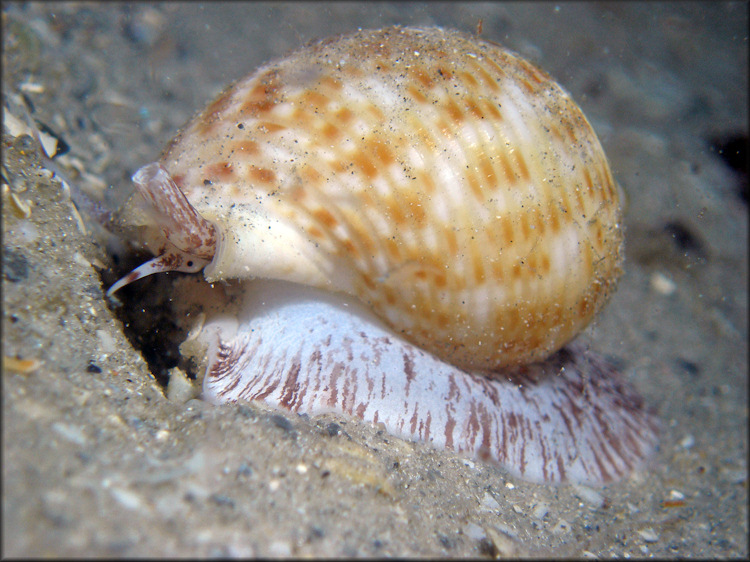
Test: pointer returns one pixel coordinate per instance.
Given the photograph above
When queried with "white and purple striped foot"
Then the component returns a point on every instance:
(572, 418)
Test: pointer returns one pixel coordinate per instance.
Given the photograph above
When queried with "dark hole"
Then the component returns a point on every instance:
(147, 318)
(15, 265)
(732, 149)
(688, 366)
(683, 238)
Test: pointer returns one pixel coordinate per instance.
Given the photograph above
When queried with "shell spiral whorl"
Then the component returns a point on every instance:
(451, 187)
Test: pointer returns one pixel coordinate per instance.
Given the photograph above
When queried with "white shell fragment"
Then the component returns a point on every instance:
(571, 418)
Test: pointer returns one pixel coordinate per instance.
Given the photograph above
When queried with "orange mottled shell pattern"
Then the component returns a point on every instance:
(447, 183)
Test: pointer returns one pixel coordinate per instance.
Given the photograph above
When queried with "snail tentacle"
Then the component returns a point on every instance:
(173, 260)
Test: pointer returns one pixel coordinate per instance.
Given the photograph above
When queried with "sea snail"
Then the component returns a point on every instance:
(423, 221)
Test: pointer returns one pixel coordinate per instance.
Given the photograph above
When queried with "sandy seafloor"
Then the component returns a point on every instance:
(97, 461)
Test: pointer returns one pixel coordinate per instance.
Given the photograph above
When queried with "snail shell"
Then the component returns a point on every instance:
(448, 185)
(445, 182)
